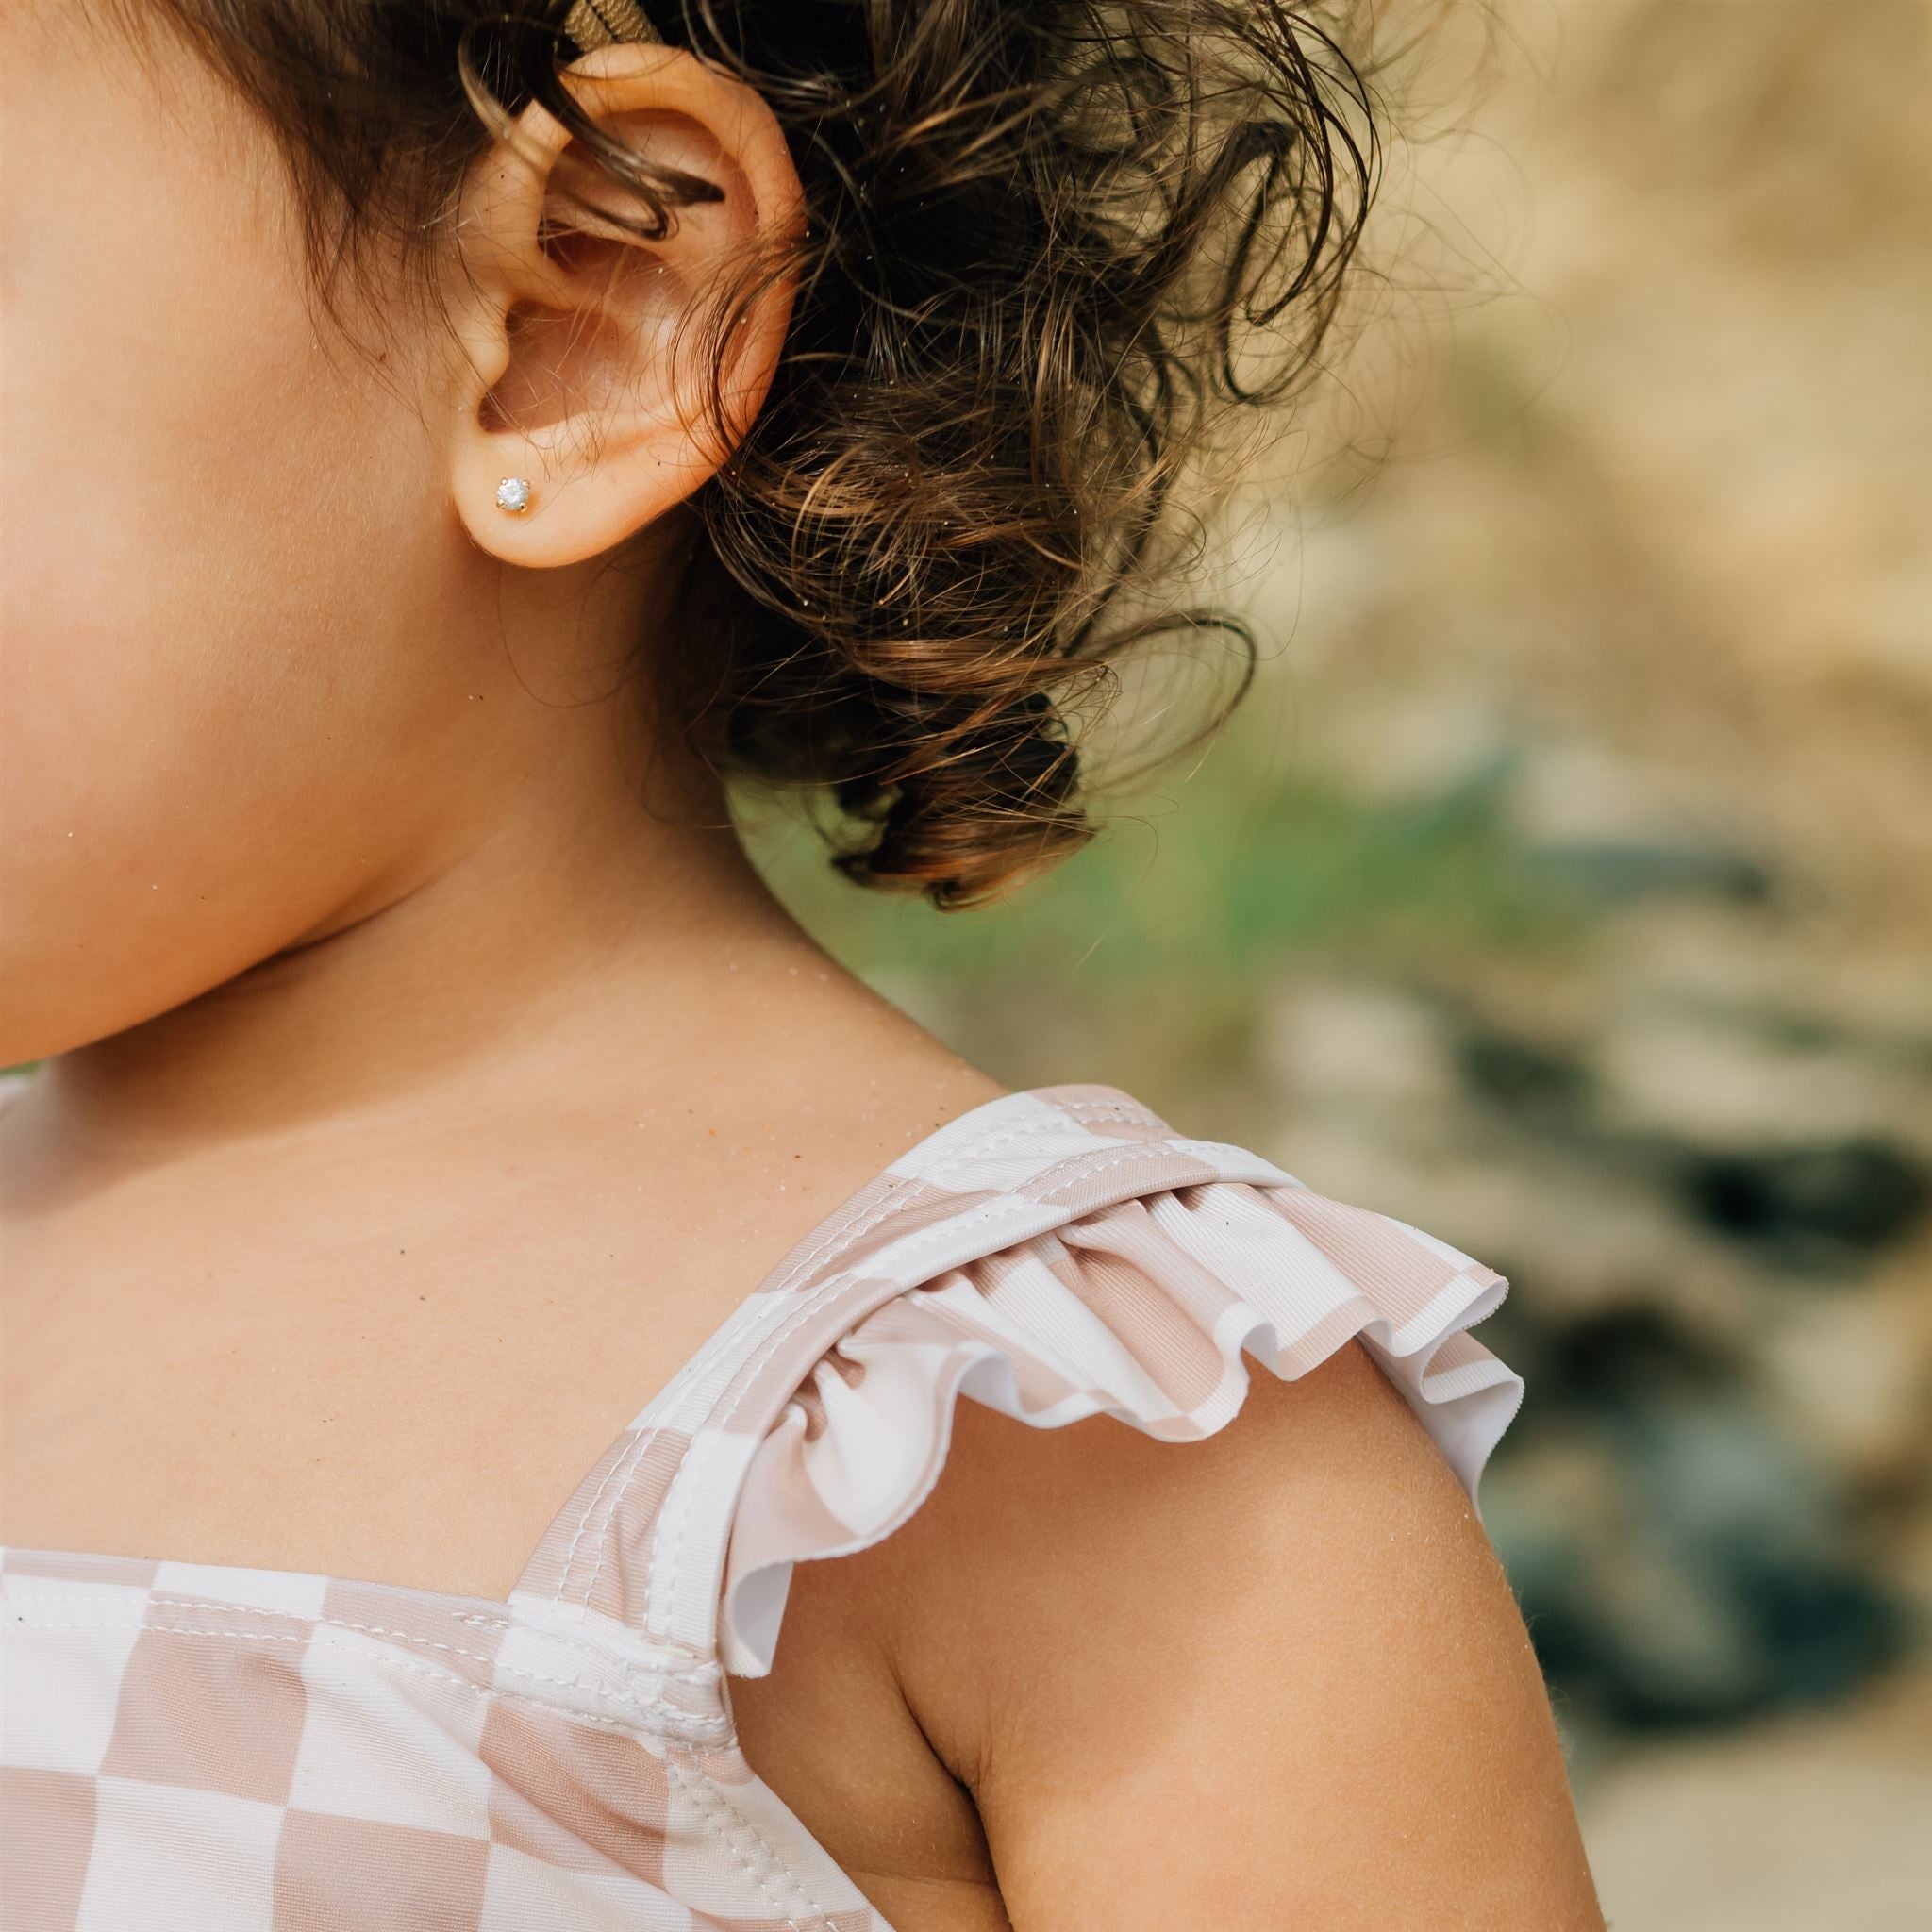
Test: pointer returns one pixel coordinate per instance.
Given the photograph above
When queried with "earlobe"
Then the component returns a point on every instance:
(590, 396)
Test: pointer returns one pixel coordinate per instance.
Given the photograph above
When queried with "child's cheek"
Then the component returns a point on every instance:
(222, 541)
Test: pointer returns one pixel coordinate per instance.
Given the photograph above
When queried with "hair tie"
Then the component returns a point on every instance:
(603, 23)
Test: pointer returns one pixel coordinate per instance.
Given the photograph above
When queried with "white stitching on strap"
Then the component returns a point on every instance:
(695, 1783)
(694, 1729)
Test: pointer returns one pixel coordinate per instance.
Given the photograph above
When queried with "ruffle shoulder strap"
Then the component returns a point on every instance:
(1137, 1300)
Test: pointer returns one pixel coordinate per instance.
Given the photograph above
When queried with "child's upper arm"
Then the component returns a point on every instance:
(1276, 1678)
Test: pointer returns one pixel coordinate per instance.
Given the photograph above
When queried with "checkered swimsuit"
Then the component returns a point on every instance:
(188, 1748)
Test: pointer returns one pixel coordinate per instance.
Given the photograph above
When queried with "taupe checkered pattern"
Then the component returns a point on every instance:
(238, 1750)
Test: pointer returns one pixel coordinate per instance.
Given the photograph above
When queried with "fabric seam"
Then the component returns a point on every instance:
(689, 1728)
(700, 1672)
(706, 1792)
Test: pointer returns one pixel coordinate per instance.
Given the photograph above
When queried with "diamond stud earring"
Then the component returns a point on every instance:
(513, 495)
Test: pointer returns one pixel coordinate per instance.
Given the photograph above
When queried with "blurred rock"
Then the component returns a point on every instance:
(1347, 1049)
(1424, 742)
(1613, 871)
(1523, 1077)
(1810, 1208)
(1680, 1558)
(1715, 1072)
(1852, 1376)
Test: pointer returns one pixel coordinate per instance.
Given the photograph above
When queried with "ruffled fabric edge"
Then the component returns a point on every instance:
(1142, 1309)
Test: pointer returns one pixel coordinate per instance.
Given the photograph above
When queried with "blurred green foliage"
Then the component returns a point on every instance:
(1239, 869)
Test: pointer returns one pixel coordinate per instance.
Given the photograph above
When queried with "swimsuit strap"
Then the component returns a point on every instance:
(644, 1539)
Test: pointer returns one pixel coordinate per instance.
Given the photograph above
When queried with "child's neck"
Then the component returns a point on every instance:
(648, 962)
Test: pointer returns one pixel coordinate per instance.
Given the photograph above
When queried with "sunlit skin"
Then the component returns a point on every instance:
(435, 1072)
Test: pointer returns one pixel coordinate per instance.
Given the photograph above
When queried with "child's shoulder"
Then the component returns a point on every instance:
(1029, 1598)
(1063, 1252)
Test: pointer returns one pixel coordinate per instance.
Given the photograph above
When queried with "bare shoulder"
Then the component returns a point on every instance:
(1291, 1644)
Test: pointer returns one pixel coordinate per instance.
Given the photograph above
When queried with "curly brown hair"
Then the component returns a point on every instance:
(1051, 247)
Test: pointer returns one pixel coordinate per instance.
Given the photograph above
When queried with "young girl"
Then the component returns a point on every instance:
(472, 1261)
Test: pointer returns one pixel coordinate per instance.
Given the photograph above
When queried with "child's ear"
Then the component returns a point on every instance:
(588, 348)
